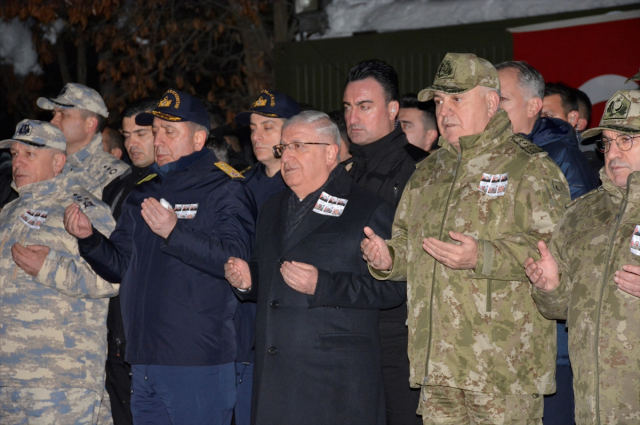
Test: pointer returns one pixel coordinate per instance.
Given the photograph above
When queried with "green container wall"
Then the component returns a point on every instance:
(314, 72)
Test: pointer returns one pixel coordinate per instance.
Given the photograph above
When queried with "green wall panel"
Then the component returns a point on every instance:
(314, 71)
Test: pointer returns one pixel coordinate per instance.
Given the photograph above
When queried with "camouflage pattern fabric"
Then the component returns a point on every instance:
(621, 114)
(77, 96)
(459, 73)
(38, 133)
(479, 330)
(44, 406)
(593, 240)
(93, 168)
(478, 408)
(52, 326)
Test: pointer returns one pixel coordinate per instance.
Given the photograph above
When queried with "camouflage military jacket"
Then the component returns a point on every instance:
(52, 326)
(479, 329)
(594, 239)
(93, 168)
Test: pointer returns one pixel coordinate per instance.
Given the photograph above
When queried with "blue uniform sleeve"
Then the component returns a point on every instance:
(109, 257)
(230, 232)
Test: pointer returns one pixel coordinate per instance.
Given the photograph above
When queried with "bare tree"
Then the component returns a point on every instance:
(219, 50)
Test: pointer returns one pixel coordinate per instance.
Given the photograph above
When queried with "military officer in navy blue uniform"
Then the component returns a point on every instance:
(266, 117)
(176, 230)
(318, 358)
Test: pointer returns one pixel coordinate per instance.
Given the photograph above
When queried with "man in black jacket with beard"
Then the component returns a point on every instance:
(382, 163)
(138, 141)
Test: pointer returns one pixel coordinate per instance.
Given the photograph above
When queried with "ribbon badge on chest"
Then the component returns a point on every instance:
(330, 205)
(34, 218)
(494, 184)
(186, 211)
(635, 241)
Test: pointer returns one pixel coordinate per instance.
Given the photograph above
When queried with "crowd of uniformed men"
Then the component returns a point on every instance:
(401, 262)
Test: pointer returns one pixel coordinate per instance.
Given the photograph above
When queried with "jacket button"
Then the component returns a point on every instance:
(272, 350)
(274, 304)
(281, 260)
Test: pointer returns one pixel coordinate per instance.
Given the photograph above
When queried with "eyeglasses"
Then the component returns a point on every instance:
(623, 141)
(295, 147)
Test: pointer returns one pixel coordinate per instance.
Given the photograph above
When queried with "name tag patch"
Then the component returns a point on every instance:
(83, 201)
(330, 205)
(34, 218)
(186, 211)
(494, 184)
(635, 241)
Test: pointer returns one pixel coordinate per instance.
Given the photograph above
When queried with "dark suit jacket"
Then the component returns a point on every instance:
(318, 356)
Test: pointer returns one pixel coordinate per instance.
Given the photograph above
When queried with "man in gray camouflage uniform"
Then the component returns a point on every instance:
(470, 214)
(80, 113)
(590, 275)
(52, 305)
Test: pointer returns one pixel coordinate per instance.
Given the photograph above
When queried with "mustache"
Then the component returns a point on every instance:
(356, 127)
(617, 163)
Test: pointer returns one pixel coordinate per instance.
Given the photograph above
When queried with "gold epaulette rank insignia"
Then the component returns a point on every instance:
(146, 179)
(229, 170)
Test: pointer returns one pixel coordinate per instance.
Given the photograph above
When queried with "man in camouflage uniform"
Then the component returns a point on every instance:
(590, 275)
(52, 305)
(470, 213)
(80, 113)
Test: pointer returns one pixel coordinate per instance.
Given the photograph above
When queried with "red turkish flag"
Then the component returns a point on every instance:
(595, 54)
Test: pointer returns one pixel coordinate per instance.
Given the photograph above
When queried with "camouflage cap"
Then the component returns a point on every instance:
(76, 96)
(635, 77)
(621, 114)
(459, 73)
(40, 134)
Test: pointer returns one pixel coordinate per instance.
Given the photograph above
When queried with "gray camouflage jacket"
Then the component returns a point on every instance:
(593, 240)
(479, 329)
(52, 327)
(93, 168)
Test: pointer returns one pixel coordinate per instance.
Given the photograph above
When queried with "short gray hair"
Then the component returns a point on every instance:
(322, 123)
(195, 127)
(528, 77)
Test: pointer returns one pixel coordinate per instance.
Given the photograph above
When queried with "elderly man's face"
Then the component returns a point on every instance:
(368, 115)
(138, 141)
(464, 114)
(619, 164)
(306, 171)
(30, 164)
(521, 112)
(265, 134)
(173, 140)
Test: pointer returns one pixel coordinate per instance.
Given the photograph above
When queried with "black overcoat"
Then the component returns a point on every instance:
(318, 356)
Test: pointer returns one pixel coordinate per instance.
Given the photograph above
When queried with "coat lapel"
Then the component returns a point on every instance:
(280, 220)
(312, 220)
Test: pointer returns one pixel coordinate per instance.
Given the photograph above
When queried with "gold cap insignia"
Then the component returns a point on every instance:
(165, 103)
(260, 102)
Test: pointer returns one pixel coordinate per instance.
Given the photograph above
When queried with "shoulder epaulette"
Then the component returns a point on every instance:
(586, 195)
(246, 170)
(146, 179)
(527, 146)
(229, 170)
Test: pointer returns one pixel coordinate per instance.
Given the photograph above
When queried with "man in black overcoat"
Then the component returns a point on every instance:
(317, 344)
